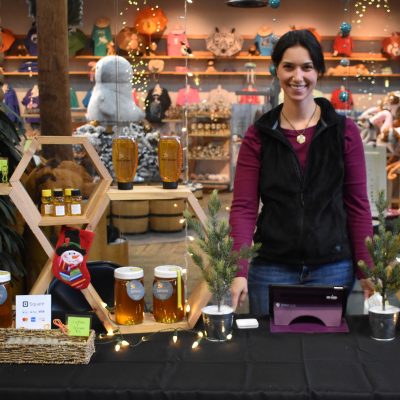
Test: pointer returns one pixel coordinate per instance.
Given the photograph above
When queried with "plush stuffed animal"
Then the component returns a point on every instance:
(111, 49)
(22, 51)
(358, 69)
(253, 50)
(103, 104)
(52, 175)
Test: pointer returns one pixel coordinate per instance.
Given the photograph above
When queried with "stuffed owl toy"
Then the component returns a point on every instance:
(112, 100)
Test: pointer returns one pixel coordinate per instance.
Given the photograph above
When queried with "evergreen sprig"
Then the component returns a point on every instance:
(384, 250)
(217, 245)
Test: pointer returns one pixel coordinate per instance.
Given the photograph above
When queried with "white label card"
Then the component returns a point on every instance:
(33, 312)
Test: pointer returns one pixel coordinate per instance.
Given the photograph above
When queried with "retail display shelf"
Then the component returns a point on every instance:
(150, 325)
(209, 159)
(201, 73)
(148, 193)
(214, 182)
(68, 220)
(220, 136)
(5, 189)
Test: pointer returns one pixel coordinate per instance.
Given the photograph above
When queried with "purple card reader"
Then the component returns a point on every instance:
(291, 302)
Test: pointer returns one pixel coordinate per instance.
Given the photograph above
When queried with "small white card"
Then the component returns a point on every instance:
(247, 323)
(33, 312)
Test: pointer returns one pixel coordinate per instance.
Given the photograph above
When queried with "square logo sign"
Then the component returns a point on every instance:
(27, 308)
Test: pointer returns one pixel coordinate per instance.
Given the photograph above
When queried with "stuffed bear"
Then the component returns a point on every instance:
(111, 49)
(22, 51)
(52, 175)
(102, 106)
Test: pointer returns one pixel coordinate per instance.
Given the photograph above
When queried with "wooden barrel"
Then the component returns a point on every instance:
(130, 216)
(108, 213)
(167, 215)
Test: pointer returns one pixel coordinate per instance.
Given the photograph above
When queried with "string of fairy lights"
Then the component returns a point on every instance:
(120, 341)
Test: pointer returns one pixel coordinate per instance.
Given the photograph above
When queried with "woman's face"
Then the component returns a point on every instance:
(297, 74)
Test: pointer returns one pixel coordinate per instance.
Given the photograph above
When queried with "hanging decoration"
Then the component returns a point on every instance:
(150, 20)
(363, 5)
(344, 62)
(344, 96)
(274, 3)
(345, 28)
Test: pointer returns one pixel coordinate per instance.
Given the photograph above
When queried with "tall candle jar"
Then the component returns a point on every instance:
(168, 294)
(129, 295)
(170, 159)
(125, 158)
(5, 300)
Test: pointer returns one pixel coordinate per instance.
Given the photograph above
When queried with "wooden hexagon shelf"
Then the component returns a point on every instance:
(92, 204)
(95, 208)
(93, 211)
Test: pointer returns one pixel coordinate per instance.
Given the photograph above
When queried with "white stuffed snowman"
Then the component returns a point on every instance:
(112, 100)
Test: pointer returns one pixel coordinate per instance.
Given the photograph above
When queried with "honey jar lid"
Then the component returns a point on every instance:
(128, 273)
(164, 271)
(46, 193)
(5, 276)
(68, 192)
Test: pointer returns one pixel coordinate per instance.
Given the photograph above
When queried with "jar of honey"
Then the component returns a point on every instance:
(5, 300)
(168, 294)
(129, 295)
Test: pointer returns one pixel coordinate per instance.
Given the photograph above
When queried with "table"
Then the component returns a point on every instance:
(255, 364)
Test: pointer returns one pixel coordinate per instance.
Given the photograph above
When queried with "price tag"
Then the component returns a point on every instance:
(79, 325)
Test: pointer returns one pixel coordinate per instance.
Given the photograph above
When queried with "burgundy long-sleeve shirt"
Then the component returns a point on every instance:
(246, 195)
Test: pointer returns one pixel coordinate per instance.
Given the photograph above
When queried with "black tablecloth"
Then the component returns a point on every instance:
(255, 364)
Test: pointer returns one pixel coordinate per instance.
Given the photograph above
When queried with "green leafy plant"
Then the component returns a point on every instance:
(217, 245)
(384, 250)
(11, 242)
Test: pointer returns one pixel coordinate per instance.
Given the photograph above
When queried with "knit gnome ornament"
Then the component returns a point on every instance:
(69, 263)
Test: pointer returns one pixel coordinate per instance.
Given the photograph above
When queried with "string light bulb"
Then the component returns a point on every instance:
(200, 334)
(110, 333)
(196, 343)
(117, 347)
(175, 337)
(229, 337)
(188, 309)
(124, 343)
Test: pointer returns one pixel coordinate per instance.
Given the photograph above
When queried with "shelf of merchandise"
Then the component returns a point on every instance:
(209, 159)
(202, 73)
(219, 136)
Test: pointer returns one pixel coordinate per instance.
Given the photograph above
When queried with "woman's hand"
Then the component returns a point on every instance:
(368, 287)
(239, 291)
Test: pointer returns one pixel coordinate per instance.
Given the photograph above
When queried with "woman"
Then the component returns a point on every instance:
(306, 164)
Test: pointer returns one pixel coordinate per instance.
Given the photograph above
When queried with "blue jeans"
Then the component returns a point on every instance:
(262, 274)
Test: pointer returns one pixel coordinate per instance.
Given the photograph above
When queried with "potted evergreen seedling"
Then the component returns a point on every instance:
(217, 246)
(384, 250)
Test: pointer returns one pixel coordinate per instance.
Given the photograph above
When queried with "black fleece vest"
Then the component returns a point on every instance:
(303, 219)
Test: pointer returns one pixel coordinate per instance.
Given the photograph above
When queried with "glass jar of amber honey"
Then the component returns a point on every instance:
(168, 294)
(129, 295)
(5, 300)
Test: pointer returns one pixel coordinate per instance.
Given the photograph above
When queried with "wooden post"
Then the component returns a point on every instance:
(53, 67)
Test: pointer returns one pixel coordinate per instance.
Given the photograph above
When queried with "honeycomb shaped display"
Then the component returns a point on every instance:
(96, 196)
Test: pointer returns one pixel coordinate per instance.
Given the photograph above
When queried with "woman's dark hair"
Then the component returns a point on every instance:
(303, 38)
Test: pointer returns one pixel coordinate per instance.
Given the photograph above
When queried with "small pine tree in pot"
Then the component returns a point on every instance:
(384, 250)
(217, 245)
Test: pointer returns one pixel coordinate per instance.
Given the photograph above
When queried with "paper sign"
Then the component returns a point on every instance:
(78, 325)
(33, 312)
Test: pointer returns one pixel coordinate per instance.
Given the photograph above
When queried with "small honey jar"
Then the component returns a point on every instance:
(5, 300)
(168, 294)
(129, 295)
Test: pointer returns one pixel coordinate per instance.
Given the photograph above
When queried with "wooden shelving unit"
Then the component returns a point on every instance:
(93, 212)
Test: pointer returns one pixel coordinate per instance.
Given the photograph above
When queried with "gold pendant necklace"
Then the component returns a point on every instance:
(300, 137)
